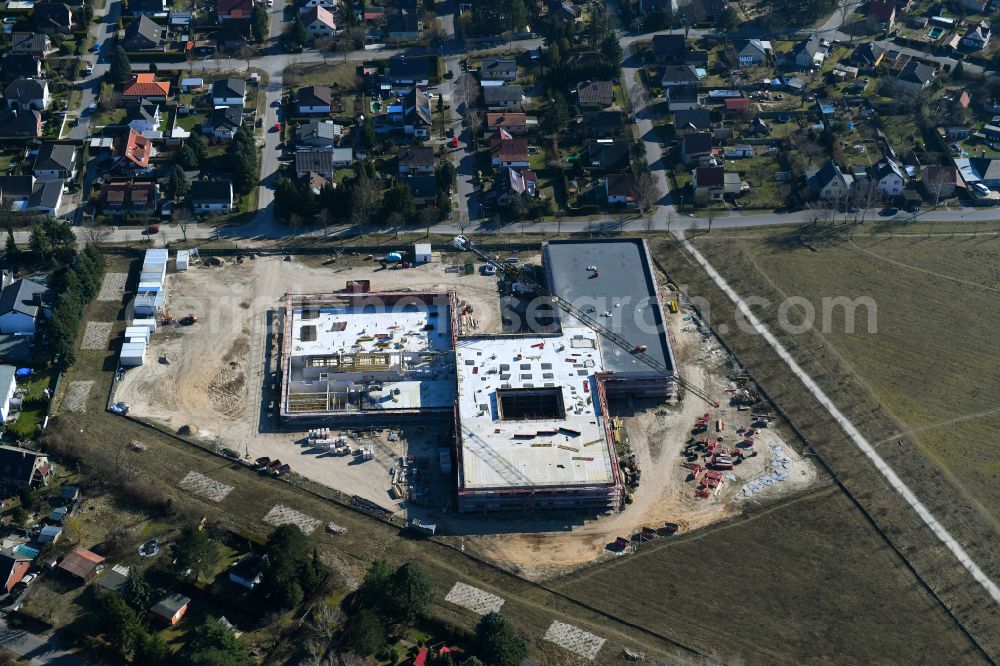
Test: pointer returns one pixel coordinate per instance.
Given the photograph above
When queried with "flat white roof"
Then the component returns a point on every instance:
(508, 453)
(345, 330)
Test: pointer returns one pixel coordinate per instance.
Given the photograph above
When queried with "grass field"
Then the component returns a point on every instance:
(923, 387)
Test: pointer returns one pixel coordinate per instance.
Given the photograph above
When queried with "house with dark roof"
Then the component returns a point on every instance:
(22, 303)
(403, 71)
(678, 75)
(696, 147)
(504, 98)
(887, 176)
(249, 571)
(224, 122)
(147, 7)
(669, 49)
(229, 10)
(314, 99)
(136, 199)
(620, 189)
(21, 66)
(31, 43)
(595, 94)
(602, 124)
(883, 12)
(14, 123)
(977, 37)
(22, 468)
(143, 34)
(52, 17)
(170, 609)
(510, 183)
(915, 75)
(498, 69)
(16, 188)
(696, 120)
(13, 567)
(867, 55)
(751, 51)
(46, 197)
(144, 118)
(55, 160)
(829, 182)
(423, 188)
(131, 152)
(28, 94)
(514, 123)
(939, 182)
(234, 35)
(211, 196)
(324, 161)
(682, 98)
(508, 152)
(319, 134)
(403, 25)
(608, 155)
(417, 113)
(416, 159)
(713, 183)
(807, 53)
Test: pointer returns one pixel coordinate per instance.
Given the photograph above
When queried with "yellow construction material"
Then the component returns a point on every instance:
(592, 442)
(568, 448)
(541, 444)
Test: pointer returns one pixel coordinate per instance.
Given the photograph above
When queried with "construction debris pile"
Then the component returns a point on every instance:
(708, 458)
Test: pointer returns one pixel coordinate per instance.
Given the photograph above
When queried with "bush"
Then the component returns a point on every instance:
(145, 494)
(63, 439)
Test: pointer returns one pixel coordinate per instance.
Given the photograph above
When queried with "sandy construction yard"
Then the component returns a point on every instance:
(207, 378)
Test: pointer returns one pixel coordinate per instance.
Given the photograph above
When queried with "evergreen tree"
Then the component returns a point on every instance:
(368, 135)
(152, 650)
(411, 592)
(497, 641)
(196, 142)
(296, 34)
(123, 626)
(194, 550)
(259, 23)
(178, 182)
(119, 67)
(12, 253)
(137, 591)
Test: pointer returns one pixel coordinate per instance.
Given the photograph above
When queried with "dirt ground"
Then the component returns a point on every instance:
(210, 378)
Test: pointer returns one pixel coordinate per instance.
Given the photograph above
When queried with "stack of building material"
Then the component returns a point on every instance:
(152, 291)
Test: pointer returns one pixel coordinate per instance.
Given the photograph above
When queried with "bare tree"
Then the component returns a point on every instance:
(395, 222)
(183, 223)
(96, 233)
(646, 190)
(467, 92)
(429, 216)
(327, 45)
(670, 218)
(936, 183)
(325, 218)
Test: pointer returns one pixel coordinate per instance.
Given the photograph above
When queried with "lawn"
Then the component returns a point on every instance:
(336, 74)
(191, 120)
(112, 117)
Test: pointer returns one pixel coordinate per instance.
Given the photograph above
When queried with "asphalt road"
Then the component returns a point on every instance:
(46, 650)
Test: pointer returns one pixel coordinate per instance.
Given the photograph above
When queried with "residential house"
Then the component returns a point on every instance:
(830, 183)
(115, 579)
(682, 98)
(21, 66)
(314, 99)
(498, 69)
(37, 44)
(867, 55)
(620, 189)
(915, 76)
(14, 123)
(403, 71)
(315, 182)
(13, 567)
(977, 37)
(751, 51)
(55, 160)
(991, 132)
(595, 94)
(229, 10)
(977, 6)
(513, 123)
(46, 197)
(146, 7)
(423, 188)
(403, 26)
(504, 98)
(139, 199)
(696, 120)
(884, 12)
(224, 122)
(8, 386)
(52, 18)
(669, 49)
(235, 34)
(14, 189)
(511, 183)
(20, 467)
(82, 564)
(713, 183)
(565, 11)
(319, 23)
(508, 152)
(738, 151)
(171, 608)
(807, 53)
(325, 162)
(417, 113)
(28, 94)
(416, 159)
(602, 124)
(143, 34)
(956, 132)
(696, 148)
(735, 105)
(229, 92)
(679, 75)
(211, 196)
(939, 181)
(985, 170)
(131, 152)
(143, 85)
(249, 571)
(144, 118)
(608, 155)
(22, 303)
(309, 4)
(319, 134)
(887, 176)
(194, 84)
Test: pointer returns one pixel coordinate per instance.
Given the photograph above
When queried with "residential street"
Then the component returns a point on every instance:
(38, 650)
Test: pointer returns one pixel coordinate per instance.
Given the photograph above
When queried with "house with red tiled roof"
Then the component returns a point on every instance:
(131, 153)
(234, 9)
(143, 85)
(509, 152)
(513, 122)
(737, 104)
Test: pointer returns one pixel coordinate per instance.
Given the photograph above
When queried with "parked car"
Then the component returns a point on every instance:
(889, 211)
(276, 128)
(96, 47)
(152, 229)
(981, 189)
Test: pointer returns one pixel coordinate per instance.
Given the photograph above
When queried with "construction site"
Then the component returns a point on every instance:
(611, 415)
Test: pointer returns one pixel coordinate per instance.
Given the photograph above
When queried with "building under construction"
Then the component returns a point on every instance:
(365, 358)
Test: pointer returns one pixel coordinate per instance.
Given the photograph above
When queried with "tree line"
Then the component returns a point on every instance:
(76, 285)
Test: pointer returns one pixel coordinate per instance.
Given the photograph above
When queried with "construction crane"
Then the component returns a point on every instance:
(527, 283)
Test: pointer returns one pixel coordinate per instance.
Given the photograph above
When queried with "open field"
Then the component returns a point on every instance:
(923, 360)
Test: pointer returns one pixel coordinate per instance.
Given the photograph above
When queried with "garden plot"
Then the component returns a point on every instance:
(474, 599)
(282, 515)
(209, 488)
(113, 287)
(574, 639)
(96, 335)
(76, 396)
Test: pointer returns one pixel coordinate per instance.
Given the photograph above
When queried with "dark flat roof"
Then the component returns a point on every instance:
(625, 277)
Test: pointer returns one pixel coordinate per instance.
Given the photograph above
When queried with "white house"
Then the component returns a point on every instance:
(314, 99)
(144, 118)
(619, 189)
(55, 160)
(211, 196)
(887, 177)
(8, 384)
(28, 94)
(21, 303)
(309, 4)
(319, 23)
(829, 182)
(229, 92)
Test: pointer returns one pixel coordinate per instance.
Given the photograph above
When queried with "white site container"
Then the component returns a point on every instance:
(133, 353)
(183, 258)
(137, 333)
(148, 324)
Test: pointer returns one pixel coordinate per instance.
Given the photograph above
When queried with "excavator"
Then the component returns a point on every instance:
(519, 276)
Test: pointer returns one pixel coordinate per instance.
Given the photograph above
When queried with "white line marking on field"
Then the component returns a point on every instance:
(96, 335)
(474, 599)
(113, 287)
(209, 488)
(574, 639)
(282, 515)
(859, 440)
